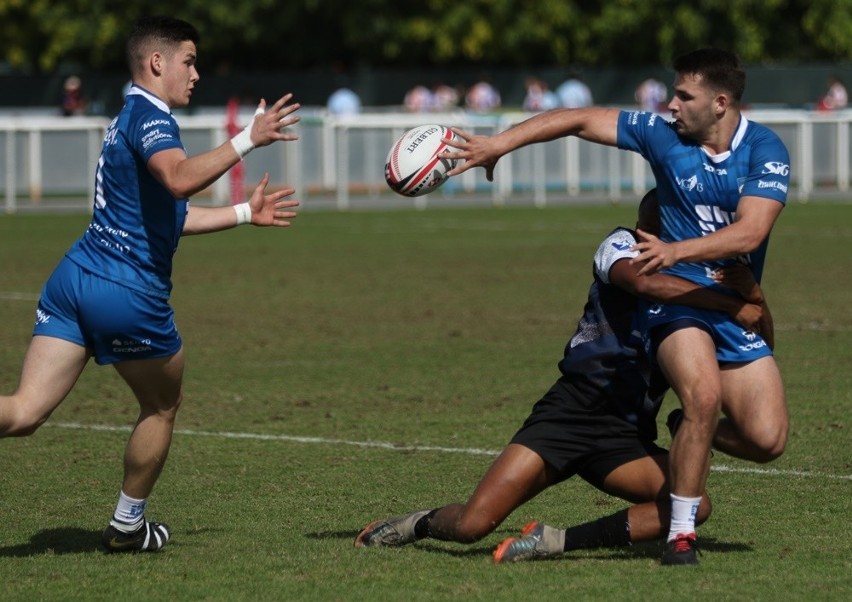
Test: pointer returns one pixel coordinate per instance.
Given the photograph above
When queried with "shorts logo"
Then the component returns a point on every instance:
(130, 346)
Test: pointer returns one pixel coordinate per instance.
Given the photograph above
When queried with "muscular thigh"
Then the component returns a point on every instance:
(753, 395)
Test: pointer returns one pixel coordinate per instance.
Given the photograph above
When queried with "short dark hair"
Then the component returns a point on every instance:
(167, 32)
(720, 69)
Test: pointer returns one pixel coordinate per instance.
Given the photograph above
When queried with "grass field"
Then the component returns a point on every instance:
(365, 364)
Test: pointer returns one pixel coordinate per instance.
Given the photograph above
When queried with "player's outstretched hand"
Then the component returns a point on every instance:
(474, 151)
(268, 124)
(271, 209)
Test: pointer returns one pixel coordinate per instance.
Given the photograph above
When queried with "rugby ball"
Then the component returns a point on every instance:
(413, 167)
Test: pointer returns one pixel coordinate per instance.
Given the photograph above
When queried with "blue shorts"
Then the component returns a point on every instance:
(734, 344)
(115, 322)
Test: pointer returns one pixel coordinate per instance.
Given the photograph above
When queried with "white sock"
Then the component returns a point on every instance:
(129, 513)
(684, 510)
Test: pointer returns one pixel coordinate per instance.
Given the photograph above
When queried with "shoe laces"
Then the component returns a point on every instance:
(683, 544)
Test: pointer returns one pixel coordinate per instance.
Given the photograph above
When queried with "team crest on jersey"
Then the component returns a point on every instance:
(690, 184)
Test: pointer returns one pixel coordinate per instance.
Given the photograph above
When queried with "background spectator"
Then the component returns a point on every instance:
(539, 96)
(343, 102)
(573, 92)
(651, 95)
(73, 102)
(482, 97)
(419, 99)
(836, 97)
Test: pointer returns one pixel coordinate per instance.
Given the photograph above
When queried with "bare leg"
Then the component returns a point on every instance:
(688, 359)
(51, 367)
(157, 386)
(644, 482)
(757, 420)
(516, 476)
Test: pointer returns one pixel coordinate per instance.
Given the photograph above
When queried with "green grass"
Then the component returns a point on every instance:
(436, 328)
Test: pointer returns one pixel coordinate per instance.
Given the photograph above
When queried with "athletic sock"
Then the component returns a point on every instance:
(684, 510)
(421, 527)
(606, 532)
(129, 513)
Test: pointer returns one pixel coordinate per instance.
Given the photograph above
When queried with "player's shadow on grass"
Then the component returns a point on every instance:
(64, 540)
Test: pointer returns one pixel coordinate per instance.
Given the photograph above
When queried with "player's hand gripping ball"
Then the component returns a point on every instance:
(413, 167)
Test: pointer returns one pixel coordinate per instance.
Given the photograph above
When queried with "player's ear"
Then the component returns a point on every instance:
(721, 103)
(156, 63)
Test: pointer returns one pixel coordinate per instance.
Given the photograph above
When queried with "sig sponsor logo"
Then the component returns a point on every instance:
(776, 168)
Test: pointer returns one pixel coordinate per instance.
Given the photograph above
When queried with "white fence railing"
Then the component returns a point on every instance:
(49, 161)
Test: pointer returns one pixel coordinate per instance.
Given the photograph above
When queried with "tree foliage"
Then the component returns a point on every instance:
(43, 35)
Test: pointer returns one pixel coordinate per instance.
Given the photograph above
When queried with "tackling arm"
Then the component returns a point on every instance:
(663, 288)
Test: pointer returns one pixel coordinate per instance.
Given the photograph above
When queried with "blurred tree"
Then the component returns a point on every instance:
(41, 35)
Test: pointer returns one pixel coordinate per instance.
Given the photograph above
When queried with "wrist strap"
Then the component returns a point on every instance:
(242, 142)
(243, 211)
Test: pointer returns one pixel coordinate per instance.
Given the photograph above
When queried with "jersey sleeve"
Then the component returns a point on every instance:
(646, 133)
(769, 169)
(616, 246)
(156, 132)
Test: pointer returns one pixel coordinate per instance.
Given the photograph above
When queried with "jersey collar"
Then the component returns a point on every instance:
(137, 89)
(735, 141)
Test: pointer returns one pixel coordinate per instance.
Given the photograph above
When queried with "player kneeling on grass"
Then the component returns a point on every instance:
(598, 421)
(108, 297)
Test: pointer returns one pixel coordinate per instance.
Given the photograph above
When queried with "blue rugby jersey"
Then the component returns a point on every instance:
(699, 192)
(605, 358)
(136, 223)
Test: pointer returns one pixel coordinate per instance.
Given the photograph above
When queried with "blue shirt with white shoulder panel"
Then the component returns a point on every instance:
(136, 222)
(605, 358)
(699, 192)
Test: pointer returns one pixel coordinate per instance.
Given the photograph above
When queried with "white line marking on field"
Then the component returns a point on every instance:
(15, 296)
(417, 448)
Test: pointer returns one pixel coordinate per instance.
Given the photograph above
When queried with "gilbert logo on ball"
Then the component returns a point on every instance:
(413, 167)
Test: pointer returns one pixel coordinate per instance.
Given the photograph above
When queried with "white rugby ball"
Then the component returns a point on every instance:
(413, 167)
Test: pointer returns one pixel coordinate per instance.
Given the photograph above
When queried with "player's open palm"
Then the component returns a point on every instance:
(270, 125)
(271, 209)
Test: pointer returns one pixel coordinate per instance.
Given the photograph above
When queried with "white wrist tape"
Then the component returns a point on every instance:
(243, 211)
(242, 142)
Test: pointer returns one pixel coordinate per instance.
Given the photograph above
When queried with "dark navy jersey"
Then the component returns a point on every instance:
(605, 359)
(699, 192)
(136, 222)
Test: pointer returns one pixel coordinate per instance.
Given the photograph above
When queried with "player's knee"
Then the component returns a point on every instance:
(771, 448)
(19, 422)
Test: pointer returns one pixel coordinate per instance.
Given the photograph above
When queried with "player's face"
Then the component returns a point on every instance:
(180, 75)
(692, 106)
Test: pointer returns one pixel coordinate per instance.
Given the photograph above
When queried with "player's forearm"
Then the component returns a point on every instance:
(731, 241)
(593, 123)
(201, 220)
(662, 288)
(194, 174)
